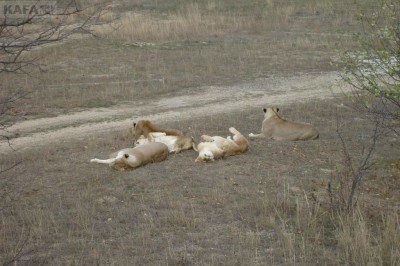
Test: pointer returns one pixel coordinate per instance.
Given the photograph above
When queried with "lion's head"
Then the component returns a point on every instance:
(270, 112)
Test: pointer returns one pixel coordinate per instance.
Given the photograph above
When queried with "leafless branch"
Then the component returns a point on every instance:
(9, 168)
(22, 35)
(350, 177)
(366, 158)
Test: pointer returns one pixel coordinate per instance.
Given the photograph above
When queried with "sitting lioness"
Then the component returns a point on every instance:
(276, 128)
(174, 143)
(136, 157)
(144, 127)
(216, 147)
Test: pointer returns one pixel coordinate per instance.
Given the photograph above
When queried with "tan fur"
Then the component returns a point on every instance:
(144, 127)
(136, 157)
(276, 128)
(217, 147)
(175, 143)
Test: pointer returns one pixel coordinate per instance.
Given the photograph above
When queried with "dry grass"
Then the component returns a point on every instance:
(360, 244)
(267, 207)
(168, 46)
(188, 23)
(193, 21)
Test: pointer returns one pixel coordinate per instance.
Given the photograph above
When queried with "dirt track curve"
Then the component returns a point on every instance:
(203, 101)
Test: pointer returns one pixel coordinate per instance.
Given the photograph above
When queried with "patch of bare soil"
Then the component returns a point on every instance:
(198, 102)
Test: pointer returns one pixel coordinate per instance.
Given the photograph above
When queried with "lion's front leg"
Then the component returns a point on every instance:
(176, 150)
(256, 136)
(234, 131)
(152, 136)
(206, 138)
(157, 134)
(107, 161)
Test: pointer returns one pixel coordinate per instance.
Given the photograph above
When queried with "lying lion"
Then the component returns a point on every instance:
(136, 157)
(276, 128)
(174, 143)
(216, 147)
(144, 127)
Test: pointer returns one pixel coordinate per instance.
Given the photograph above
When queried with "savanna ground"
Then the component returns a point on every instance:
(267, 207)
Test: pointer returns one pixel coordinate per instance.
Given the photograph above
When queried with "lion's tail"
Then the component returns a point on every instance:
(194, 146)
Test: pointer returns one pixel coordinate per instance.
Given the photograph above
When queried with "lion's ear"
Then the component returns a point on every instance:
(277, 109)
(265, 110)
(134, 124)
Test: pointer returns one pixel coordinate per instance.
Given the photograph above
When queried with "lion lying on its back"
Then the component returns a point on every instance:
(175, 143)
(145, 131)
(216, 147)
(276, 128)
(136, 157)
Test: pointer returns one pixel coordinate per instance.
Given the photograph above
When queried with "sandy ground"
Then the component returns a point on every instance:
(200, 102)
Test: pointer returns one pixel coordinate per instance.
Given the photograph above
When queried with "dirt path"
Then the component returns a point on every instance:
(202, 101)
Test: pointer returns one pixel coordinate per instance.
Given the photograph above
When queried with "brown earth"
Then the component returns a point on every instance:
(206, 101)
(268, 206)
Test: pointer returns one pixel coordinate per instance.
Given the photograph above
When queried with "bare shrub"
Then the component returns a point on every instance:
(19, 35)
(344, 183)
(374, 70)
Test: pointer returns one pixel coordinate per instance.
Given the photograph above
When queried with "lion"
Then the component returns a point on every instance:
(144, 127)
(276, 128)
(175, 143)
(136, 157)
(212, 148)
